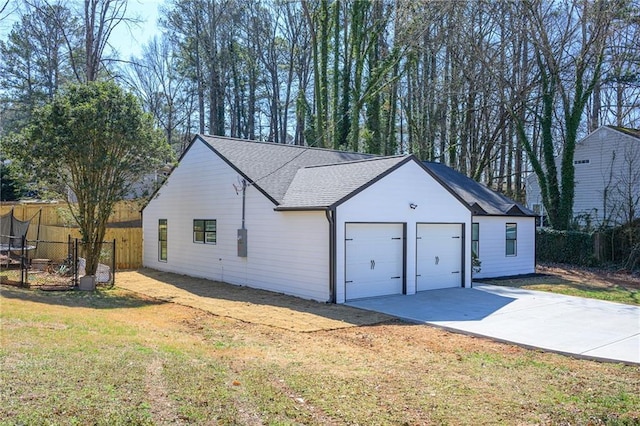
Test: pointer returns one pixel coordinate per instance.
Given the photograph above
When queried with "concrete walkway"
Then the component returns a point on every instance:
(577, 326)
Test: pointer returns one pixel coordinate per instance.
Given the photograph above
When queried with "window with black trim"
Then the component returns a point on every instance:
(511, 237)
(475, 239)
(204, 231)
(162, 240)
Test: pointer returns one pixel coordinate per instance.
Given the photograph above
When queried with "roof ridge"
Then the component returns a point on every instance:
(304, 147)
(362, 160)
(635, 133)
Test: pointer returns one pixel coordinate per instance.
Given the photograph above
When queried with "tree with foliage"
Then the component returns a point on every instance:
(34, 62)
(95, 140)
(12, 185)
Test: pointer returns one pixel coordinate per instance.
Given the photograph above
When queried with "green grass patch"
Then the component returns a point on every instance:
(611, 294)
(553, 284)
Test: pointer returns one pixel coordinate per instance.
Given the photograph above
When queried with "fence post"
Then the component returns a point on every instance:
(24, 276)
(113, 265)
(75, 261)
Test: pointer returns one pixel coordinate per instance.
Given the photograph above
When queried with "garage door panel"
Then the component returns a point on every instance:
(439, 256)
(374, 260)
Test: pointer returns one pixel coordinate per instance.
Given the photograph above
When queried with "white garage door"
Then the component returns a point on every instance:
(374, 259)
(439, 256)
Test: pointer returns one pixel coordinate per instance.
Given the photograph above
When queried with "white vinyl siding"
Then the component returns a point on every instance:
(162, 240)
(288, 251)
(492, 246)
(511, 239)
(602, 185)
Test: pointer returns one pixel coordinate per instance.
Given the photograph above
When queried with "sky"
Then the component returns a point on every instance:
(128, 41)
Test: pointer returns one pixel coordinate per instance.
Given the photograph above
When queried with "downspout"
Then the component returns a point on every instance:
(244, 191)
(331, 217)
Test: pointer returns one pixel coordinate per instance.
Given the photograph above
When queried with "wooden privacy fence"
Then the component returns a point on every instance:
(57, 213)
(55, 226)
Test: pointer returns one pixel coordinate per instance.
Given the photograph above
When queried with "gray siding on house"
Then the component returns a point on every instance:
(607, 178)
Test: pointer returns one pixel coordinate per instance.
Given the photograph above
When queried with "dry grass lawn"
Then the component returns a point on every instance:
(119, 357)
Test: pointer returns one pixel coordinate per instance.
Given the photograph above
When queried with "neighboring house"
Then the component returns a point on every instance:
(607, 178)
(503, 231)
(314, 223)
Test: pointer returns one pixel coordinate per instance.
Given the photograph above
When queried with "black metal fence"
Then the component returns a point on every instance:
(58, 264)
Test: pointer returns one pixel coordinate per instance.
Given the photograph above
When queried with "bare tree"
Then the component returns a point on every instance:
(4, 5)
(568, 41)
(625, 193)
(96, 20)
(163, 93)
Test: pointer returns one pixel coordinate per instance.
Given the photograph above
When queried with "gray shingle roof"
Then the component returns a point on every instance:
(324, 186)
(297, 177)
(482, 200)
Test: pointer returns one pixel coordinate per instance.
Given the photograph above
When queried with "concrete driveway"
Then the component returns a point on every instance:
(577, 326)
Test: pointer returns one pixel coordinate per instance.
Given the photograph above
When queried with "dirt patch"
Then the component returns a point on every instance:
(161, 405)
(569, 274)
(593, 276)
(245, 304)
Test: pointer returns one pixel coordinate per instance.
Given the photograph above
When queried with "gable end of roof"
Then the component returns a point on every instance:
(374, 180)
(249, 181)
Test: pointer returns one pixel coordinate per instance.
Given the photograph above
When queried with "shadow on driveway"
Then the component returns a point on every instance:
(451, 304)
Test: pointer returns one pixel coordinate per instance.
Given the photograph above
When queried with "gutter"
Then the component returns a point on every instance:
(331, 218)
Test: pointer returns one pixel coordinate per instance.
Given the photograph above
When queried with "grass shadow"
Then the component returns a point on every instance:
(99, 299)
(248, 300)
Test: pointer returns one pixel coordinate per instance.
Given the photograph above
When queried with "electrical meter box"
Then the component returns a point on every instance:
(242, 242)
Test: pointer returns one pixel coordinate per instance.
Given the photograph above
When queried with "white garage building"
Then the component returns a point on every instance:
(319, 224)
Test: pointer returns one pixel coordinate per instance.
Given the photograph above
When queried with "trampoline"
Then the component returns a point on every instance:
(13, 232)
